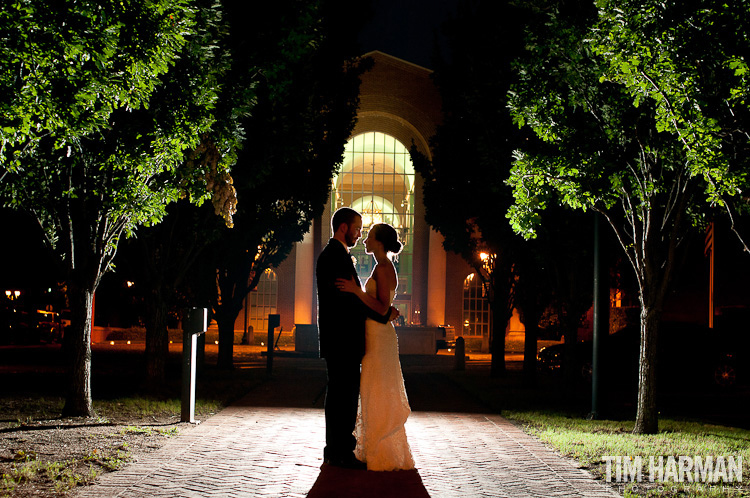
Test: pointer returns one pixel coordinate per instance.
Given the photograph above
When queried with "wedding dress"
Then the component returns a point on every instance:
(383, 405)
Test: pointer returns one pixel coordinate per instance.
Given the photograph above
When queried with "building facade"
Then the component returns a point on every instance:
(399, 108)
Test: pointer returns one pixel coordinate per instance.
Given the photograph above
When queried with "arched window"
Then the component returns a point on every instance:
(377, 179)
(263, 301)
(476, 309)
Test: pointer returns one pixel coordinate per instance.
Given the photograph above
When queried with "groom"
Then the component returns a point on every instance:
(341, 325)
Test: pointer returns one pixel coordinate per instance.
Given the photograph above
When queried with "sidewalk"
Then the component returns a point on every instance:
(270, 444)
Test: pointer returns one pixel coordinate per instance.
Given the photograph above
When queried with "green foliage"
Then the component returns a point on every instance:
(624, 68)
(589, 146)
(149, 431)
(114, 458)
(64, 70)
(689, 60)
(97, 152)
(639, 107)
(109, 113)
(7, 485)
(61, 474)
(597, 149)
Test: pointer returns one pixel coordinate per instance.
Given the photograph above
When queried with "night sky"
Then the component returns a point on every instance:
(407, 29)
(24, 259)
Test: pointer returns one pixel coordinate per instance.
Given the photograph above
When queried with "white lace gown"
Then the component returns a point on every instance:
(383, 405)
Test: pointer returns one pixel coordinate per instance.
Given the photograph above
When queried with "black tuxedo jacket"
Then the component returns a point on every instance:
(341, 315)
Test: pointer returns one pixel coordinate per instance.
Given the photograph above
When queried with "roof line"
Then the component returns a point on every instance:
(398, 59)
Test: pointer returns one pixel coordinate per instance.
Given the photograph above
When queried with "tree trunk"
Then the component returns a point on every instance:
(77, 344)
(157, 340)
(529, 350)
(225, 319)
(646, 420)
(497, 345)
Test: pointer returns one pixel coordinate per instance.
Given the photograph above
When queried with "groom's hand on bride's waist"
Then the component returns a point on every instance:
(394, 314)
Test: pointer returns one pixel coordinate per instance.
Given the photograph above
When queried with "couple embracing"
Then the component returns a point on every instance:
(366, 404)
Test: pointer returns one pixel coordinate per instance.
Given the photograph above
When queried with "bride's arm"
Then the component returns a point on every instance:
(380, 305)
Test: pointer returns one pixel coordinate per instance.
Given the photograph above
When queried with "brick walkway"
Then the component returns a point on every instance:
(275, 451)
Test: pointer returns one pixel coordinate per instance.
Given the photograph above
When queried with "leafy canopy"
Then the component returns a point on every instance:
(688, 60)
(65, 69)
(103, 103)
(632, 101)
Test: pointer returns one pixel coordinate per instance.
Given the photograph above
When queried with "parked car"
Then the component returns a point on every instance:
(687, 355)
(18, 327)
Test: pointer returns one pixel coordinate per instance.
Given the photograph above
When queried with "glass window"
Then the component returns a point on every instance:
(475, 309)
(263, 301)
(377, 179)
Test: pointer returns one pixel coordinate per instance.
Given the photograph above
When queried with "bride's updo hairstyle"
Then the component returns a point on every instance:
(387, 235)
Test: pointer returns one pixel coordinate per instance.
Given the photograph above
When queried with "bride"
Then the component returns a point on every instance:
(383, 405)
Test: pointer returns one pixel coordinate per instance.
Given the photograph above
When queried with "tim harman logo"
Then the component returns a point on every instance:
(697, 468)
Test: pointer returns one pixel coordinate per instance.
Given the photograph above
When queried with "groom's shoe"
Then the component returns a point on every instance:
(347, 463)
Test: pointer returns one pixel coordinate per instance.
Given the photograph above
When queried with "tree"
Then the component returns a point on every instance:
(464, 185)
(97, 123)
(163, 261)
(690, 61)
(66, 71)
(555, 279)
(607, 154)
(305, 107)
(532, 295)
(174, 253)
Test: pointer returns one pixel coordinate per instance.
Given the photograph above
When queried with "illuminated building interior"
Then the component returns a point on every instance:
(377, 179)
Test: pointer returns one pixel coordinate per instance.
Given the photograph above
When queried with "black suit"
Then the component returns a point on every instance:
(341, 326)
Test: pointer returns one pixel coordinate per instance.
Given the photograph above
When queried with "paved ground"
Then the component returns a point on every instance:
(270, 444)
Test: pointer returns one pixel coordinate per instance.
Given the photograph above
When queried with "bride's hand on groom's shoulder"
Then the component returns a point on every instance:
(348, 285)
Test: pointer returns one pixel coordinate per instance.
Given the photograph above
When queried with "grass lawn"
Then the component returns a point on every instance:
(44, 455)
(556, 413)
(589, 440)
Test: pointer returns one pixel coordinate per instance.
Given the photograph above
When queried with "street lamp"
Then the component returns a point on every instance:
(487, 267)
(12, 294)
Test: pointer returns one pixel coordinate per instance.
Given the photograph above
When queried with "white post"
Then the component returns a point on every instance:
(194, 324)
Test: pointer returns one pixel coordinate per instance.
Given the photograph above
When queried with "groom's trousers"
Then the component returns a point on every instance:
(342, 397)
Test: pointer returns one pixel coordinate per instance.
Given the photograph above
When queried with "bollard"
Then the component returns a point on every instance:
(273, 322)
(247, 337)
(460, 363)
(194, 324)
